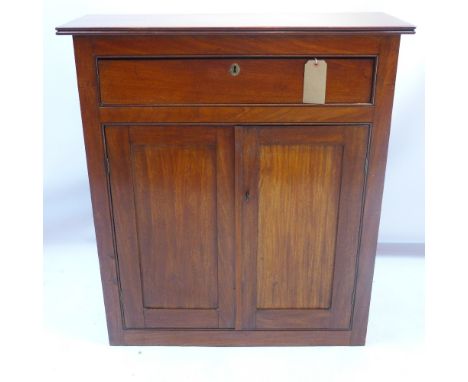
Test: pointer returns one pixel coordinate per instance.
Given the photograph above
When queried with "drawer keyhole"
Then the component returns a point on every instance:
(234, 69)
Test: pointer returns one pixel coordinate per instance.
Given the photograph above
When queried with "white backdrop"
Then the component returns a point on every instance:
(67, 206)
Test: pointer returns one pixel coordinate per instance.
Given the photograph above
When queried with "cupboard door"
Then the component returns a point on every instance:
(299, 197)
(172, 192)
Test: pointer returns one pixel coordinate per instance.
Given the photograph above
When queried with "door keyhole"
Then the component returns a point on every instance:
(234, 69)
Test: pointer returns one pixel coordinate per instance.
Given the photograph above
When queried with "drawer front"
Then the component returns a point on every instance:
(163, 81)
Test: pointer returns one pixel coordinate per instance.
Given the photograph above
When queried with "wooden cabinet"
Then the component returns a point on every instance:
(227, 210)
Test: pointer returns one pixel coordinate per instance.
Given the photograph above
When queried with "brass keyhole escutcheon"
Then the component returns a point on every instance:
(234, 69)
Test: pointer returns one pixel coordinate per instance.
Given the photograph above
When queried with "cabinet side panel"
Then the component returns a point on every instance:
(377, 158)
(298, 206)
(95, 158)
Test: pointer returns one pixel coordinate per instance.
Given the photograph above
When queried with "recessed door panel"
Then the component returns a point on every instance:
(175, 199)
(300, 183)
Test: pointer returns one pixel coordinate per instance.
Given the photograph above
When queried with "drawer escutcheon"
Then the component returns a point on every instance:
(234, 69)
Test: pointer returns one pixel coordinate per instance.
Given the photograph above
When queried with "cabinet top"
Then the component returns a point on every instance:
(342, 23)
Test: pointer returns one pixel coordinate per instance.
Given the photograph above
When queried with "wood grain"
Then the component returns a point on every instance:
(99, 187)
(299, 189)
(181, 318)
(375, 183)
(284, 248)
(226, 226)
(175, 197)
(235, 45)
(247, 114)
(208, 81)
(246, 141)
(236, 337)
(126, 231)
(174, 248)
(297, 319)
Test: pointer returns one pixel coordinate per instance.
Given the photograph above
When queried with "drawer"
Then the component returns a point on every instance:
(164, 81)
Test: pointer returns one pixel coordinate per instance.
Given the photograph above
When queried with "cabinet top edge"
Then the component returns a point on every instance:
(341, 23)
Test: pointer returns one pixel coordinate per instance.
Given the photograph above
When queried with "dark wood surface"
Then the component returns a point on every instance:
(296, 250)
(209, 81)
(316, 22)
(239, 114)
(236, 337)
(235, 45)
(187, 256)
(99, 187)
(166, 187)
(374, 188)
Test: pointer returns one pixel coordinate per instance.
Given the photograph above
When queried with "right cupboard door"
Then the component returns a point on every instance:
(299, 204)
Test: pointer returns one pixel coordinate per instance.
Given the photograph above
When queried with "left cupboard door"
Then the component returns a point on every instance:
(173, 212)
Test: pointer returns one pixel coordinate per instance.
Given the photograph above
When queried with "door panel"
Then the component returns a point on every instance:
(301, 191)
(175, 198)
(174, 242)
(295, 254)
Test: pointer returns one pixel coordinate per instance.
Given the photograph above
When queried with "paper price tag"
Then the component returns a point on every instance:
(315, 81)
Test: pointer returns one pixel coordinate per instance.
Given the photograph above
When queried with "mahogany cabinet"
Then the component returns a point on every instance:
(227, 210)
